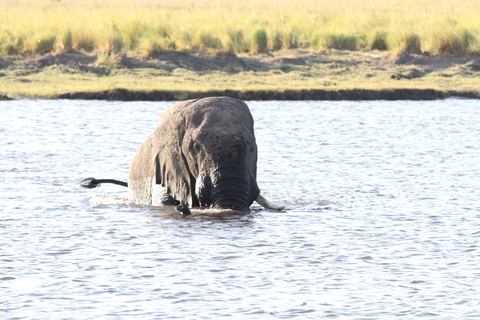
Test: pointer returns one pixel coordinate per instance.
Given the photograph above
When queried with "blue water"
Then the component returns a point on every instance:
(381, 220)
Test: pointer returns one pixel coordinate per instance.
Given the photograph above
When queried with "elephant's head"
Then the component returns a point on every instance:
(203, 152)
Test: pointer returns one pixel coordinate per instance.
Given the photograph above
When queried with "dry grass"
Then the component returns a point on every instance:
(144, 27)
(278, 71)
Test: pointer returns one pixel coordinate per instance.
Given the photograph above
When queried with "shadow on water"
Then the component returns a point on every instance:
(201, 218)
(170, 213)
(201, 214)
(206, 214)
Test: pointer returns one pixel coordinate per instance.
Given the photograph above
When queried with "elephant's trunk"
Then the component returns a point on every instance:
(267, 204)
(227, 188)
(230, 188)
(232, 194)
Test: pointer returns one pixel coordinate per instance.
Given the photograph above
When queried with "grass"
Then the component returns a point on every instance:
(440, 27)
(259, 41)
(329, 69)
(339, 34)
(36, 86)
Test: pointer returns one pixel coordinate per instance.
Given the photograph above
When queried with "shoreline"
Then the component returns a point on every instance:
(266, 95)
(281, 75)
(263, 95)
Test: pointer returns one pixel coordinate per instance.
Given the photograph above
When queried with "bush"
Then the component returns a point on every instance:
(109, 61)
(260, 41)
(315, 41)
(150, 46)
(453, 41)
(467, 38)
(290, 39)
(276, 41)
(341, 42)
(8, 48)
(411, 43)
(82, 40)
(449, 43)
(43, 43)
(235, 41)
(10, 45)
(64, 41)
(112, 42)
(379, 41)
(209, 41)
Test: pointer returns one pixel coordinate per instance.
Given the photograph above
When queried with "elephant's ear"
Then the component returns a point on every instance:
(141, 166)
(172, 173)
(171, 167)
(141, 175)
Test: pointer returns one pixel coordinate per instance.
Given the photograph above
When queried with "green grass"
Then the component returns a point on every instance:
(441, 27)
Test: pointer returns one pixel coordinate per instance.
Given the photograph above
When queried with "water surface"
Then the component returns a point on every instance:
(382, 217)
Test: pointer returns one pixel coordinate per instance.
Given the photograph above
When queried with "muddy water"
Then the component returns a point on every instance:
(382, 217)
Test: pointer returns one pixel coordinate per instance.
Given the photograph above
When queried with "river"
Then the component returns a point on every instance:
(381, 220)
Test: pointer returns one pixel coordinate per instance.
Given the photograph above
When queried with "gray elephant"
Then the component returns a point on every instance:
(202, 153)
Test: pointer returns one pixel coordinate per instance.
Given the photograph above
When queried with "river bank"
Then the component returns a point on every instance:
(278, 75)
(264, 95)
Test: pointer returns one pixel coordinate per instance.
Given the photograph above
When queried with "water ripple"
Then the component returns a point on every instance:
(381, 220)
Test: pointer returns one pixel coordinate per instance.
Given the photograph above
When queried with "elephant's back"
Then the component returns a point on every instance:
(223, 113)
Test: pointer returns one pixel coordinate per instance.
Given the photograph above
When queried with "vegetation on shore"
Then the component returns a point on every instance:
(278, 72)
(146, 28)
(57, 48)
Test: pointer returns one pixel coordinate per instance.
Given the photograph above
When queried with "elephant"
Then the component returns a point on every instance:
(202, 153)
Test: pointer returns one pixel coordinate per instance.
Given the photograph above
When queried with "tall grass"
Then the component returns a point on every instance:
(260, 41)
(144, 27)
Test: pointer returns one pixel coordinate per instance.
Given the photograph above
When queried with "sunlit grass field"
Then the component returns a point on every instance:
(146, 27)
(338, 33)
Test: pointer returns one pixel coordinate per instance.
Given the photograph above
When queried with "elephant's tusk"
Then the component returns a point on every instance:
(267, 204)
